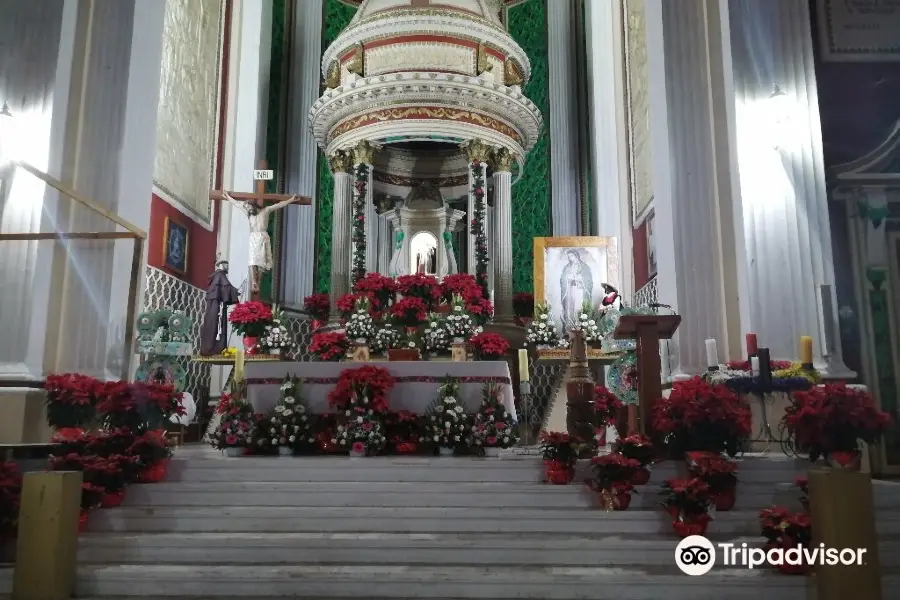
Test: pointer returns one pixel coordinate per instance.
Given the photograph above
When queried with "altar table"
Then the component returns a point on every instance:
(415, 387)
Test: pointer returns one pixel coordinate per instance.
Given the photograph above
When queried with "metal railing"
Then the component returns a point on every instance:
(132, 232)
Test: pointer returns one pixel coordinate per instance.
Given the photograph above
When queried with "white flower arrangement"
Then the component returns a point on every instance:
(589, 324)
(446, 424)
(361, 326)
(436, 337)
(289, 424)
(276, 337)
(542, 330)
(493, 426)
(458, 323)
(385, 338)
(365, 430)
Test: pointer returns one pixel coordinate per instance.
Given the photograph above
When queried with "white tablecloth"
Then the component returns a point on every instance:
(414, 390)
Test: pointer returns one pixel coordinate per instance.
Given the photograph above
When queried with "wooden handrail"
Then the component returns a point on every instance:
(96, 235)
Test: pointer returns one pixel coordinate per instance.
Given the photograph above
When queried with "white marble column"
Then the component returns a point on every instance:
(503, 260)
(299, 241)
(693, 176)
(340, 228)
(784, 202)
(476, 151)
(385, 245)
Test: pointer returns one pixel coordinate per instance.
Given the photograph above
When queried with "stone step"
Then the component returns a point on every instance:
(392, 582)
(493, 519)
(506, 549)
(403, 494)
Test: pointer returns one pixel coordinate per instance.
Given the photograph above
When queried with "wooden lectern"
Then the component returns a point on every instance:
(647, 330)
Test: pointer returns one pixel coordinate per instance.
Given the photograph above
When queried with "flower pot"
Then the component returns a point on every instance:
(560, 476)
(113, 499)
(543, 346)
(446, 451)
(275, 352)
(725, 500)
(621, 500)
(357, 454)
(155, 473)
(403, 354)
(251, 345)
(234, 451)
(691, 526)
(641, 476)
(285, 451)
(83, 520)
(851, 461)
(492, 452)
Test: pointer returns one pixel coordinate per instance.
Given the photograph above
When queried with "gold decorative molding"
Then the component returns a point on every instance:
(363, 153)
(340, 161)
(439, 182)
(511, 73)
(426, 112)
(357, 64)
(482, 64)
(502, 159)
(333, 79)
(476, 150)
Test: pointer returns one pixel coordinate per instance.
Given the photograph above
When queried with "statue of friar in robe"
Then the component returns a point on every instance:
(219, 296)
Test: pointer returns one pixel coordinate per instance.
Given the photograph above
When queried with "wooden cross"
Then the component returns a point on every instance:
(259, 197)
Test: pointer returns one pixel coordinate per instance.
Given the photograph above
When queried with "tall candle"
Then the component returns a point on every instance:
(238, 374)
(754, 365)
(806, 350)
(523, 365)
(751, 344)
(712, 354)
(664, 359)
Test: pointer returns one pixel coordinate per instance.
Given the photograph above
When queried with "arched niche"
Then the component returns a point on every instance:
(423, 253)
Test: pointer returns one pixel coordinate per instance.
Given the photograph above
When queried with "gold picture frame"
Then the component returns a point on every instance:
(600, 255)
(173, 260)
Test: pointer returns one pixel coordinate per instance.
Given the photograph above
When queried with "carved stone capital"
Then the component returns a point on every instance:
(363, 153)
(333, 77)
(340, 162)
(476, 150)
(511, 73)
(502, 159)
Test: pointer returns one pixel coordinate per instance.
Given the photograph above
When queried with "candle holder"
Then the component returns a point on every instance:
(525, 417)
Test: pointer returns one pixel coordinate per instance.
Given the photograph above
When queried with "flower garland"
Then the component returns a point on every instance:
(478, 232)
(358, 229)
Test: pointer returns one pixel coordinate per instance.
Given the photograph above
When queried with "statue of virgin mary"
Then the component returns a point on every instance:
(576, 286)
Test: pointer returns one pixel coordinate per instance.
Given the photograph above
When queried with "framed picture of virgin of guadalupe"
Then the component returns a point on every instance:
(571, 271)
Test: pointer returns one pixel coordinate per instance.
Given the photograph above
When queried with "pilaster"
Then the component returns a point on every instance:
(784, 200)
(340, 228)
(503, 261)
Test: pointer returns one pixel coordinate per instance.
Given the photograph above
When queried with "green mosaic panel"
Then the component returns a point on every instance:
(884, 358)
(527, 23)
(276, 129)
(336, 16)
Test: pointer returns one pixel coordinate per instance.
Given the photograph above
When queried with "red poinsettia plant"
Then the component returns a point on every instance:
(370, 385)
(378, 288)
(71, 399)
(488, 346)
(424, 287)
(404, 431)
(409, 311)
(138, 406)
(479, 308)
(714, 469)
(636, 446)
(606, 405)
(613, 472)
(686, 498)
(459, 284)
(10, 494)
(151, 447)
(317, 306)
(330, 346)
(347, 304)
(558, 447)
(523, 305)
(250, 318)
(785, 529)
(829, 421)
(700, 416)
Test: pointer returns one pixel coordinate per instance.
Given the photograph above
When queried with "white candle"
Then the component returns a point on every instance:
(664, 359)
(754, 365)
(712, 354)
(523, 365)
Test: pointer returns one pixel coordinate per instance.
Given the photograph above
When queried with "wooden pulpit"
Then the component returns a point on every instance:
(647, 330)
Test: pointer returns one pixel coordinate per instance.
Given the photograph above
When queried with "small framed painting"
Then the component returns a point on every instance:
(571, 271)
(175, 246)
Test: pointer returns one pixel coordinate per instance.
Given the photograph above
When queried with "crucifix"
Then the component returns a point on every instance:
(253, 204)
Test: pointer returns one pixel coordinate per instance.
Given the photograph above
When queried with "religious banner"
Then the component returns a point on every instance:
(637, 90)
(188, 111)
(859, 30)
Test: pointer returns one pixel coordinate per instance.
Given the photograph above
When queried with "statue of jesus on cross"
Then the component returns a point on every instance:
(254, 206)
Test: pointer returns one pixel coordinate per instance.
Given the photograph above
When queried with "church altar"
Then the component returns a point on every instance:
(415, 388)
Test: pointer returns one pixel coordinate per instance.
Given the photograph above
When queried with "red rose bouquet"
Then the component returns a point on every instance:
(461, 284)
(700, 416)
(330, 346)
(71, 399)
(409, 311)
(829, 420)
(488, 346)
(424, 287)
(317, 306)
(250, 318)
(606, 405)
(378, 288)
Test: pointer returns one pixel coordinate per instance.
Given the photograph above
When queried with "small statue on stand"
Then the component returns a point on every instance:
(219, 295)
